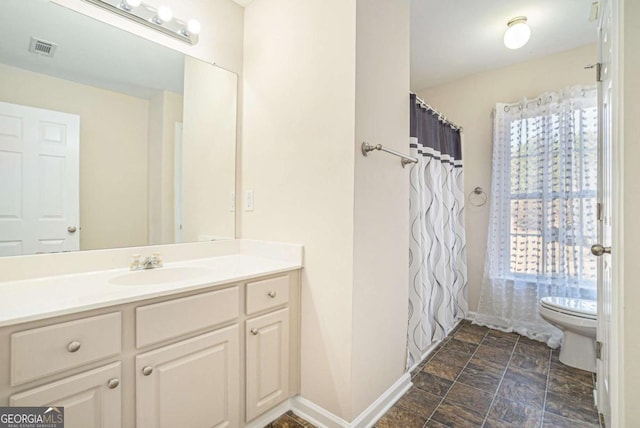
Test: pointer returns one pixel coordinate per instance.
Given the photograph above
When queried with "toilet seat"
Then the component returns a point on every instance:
(575, 307)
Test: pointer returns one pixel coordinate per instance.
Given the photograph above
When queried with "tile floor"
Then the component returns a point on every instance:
(290, 420)
(479, 377)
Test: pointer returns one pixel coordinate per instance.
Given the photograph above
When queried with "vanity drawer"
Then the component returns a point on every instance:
(47, 350)
(267, 294)
(162, 321)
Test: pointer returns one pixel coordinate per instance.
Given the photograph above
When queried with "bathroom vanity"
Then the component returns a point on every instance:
(208, 341)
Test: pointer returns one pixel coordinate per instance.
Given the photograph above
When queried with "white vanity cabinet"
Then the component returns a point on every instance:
(267, 345)
(42, 351)
(216, 356)
(91, 399)
(267, 362)
(193, 383)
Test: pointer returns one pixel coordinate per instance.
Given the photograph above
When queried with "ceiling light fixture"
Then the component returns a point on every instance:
(160, 19)
(518, 33)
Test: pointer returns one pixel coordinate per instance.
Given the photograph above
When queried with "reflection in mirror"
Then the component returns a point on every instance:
(106, 139)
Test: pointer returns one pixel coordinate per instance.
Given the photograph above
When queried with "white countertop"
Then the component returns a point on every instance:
(44, 297)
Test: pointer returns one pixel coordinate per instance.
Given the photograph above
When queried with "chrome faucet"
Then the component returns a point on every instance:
(148, 262)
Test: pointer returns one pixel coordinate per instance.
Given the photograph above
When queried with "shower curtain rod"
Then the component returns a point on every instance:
(441, 116)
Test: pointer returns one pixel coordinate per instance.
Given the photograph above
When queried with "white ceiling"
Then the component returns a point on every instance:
(89, 51)
(455, 38)
(449, 39)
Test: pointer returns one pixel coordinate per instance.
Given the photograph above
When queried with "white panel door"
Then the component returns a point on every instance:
(605, 103)
(39, 180)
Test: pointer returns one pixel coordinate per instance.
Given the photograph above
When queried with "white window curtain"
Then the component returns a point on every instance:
(543, 210)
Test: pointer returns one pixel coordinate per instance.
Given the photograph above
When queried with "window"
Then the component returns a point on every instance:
(553, 189)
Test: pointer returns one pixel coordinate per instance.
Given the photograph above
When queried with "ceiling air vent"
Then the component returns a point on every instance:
(42, 47)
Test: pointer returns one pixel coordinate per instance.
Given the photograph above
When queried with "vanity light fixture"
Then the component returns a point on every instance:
(130, 4)
(518, 33)
(160, 18)
(193, 26)
(163, 14)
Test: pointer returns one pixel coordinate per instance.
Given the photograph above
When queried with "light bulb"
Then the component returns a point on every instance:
(132, 3)
(518, 33)
(193, 26)
(164, 14)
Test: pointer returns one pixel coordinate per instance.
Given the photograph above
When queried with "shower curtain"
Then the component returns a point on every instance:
(437, 249)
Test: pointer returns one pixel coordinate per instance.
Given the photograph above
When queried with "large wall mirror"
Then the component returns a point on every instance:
(107, 139)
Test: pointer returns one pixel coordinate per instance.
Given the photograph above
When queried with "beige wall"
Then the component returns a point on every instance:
(113, 153)
(220, 39)
(319, 77)
(154, 168)
(173, 108)
(208, 151)
(298, 158)
(469, 102)
(381, 216)
(165, 110)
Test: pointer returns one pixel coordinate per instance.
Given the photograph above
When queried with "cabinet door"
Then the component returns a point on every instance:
(193, 383)
(90, 399)
(267, 361)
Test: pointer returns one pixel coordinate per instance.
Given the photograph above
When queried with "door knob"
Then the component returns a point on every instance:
(147, 370)
(113, 383)
(598, 250)
(71, 229)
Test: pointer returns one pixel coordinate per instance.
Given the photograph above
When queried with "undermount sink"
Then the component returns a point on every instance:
(159, 275)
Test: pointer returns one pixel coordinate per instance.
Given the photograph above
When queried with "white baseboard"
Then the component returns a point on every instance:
(379, 407)
(325, 419)
(273, 414)
(315, 414)
(322, 418)
(428, 350)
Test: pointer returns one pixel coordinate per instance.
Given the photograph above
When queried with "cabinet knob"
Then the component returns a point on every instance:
(147, 370)
(254, 331)
(73, 346)
(272, 294)
(113, 383)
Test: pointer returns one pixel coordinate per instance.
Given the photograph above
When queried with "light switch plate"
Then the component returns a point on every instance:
(248, 200)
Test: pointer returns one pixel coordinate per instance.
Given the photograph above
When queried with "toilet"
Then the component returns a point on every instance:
(577, 320)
